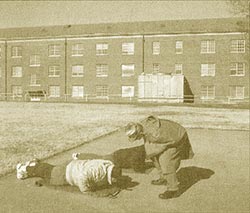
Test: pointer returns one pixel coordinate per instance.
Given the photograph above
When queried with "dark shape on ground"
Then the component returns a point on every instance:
(123, 183)
(127, 158)
(188, 176)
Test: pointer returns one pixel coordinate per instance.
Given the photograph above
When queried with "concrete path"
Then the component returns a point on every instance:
(215, 180)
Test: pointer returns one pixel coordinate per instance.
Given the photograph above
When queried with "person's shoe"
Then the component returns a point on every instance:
(159, 181)
(168, 195)
(75, 156)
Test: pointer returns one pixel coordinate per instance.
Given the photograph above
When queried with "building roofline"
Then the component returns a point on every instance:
(190, 26)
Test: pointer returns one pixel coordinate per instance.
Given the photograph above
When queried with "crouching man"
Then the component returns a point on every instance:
(88, 175)
(166, 143)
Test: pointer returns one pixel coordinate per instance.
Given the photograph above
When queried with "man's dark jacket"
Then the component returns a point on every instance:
(161, 134)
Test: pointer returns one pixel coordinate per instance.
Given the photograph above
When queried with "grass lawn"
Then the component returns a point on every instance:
(41, 130)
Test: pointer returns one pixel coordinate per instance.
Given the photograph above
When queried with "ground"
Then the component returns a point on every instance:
(215, 180)
(41, 130)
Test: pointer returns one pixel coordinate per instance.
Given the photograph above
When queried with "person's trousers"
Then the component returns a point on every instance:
(169, 162)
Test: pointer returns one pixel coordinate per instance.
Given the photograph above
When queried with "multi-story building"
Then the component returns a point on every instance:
(189, 60)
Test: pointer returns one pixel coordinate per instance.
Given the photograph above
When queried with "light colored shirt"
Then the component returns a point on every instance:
(89, 173)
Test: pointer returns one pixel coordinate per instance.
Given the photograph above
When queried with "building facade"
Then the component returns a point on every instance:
(105, 62)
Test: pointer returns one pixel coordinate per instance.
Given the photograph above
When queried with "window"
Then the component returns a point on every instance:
(77, 50)
(237, 69)
(156, 48)
(178, 68)
(207, 92)
(237, 46)
(237, 92)
(128, 48)
(128, 91)
(35, 61)
(34, 80)
(156, 68)
(77, 91)
(54, 71)
(77, 71)
(207, 69)
(54, 50)
(54, 91)
(17, 91)
(128, 70)
(16, 71)
(179, 47)
(102, 49)
(208, 46)
(101, 90)
(16, 52)
(101, 70)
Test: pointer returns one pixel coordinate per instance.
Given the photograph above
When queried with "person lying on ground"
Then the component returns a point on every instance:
(87, 175)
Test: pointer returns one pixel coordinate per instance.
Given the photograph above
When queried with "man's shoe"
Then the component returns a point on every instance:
(159, 181)
(168, 195)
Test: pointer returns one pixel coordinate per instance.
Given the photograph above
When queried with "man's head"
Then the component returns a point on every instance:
(134, 131)
(25, 170)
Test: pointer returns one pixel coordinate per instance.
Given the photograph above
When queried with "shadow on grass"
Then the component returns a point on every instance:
(188, 176)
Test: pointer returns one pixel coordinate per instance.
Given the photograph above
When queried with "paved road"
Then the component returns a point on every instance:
(215, 180)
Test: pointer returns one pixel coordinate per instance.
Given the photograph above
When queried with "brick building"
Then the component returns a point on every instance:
(201, 60)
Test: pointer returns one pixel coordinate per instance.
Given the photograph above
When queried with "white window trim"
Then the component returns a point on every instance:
(16, 56)
(35, 65)
(77, 55)
(34, 85)
(77, 76)
(77, 97)
(154, 48)
(17, 76)
(100, 50)
(209, 97)
(127, 52)
(16, 94)
(125, 95)
(208, 75)
(154, 67)
(54, 96)
(55, 56)
(102, 75)
(176, 52)
(181, 65)
(54, 76)
(237, 98)
(128, 75)
(102, 96)
(207, 47)
(237, 75)
(237, 51)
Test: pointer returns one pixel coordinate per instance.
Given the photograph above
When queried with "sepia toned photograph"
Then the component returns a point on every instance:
(124, 106)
